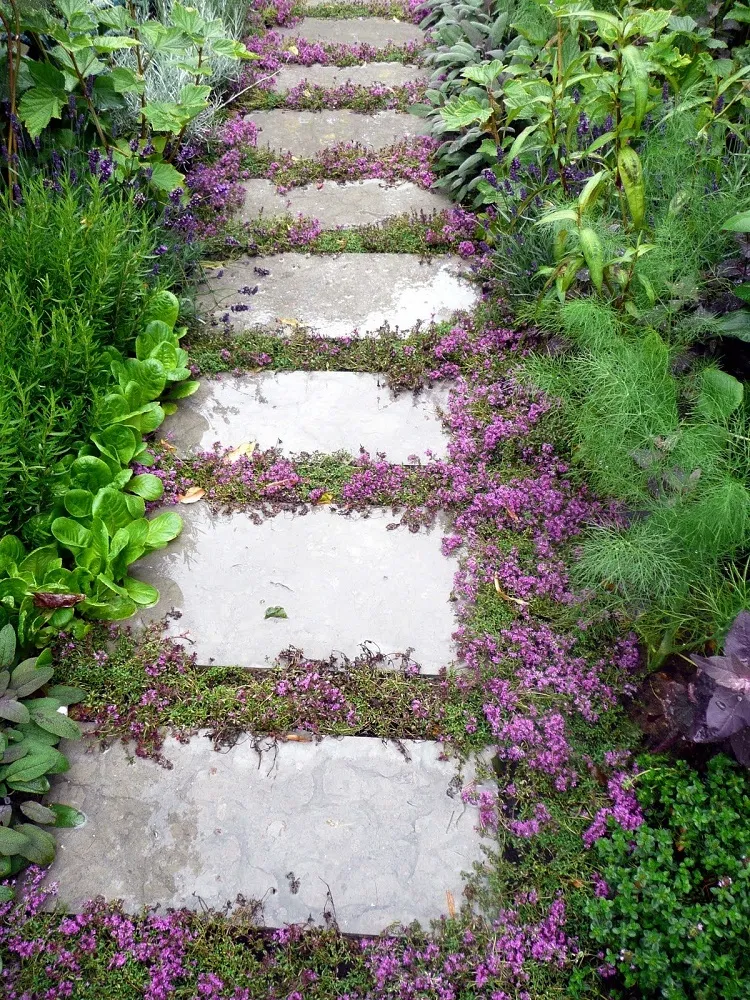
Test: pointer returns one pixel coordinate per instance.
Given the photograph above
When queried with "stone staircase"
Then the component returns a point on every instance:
(373, 832)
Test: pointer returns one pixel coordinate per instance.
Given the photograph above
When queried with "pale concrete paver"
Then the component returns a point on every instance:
(338, 294)
(389, 74)
(388, 833)
(343, 581)
(311, 412)
(305, 133)
(374, 31)
(356, 203)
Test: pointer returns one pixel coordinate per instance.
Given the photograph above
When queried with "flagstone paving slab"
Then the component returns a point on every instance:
(343, 581)
(357, 203)
(389, 74)
(338, 294)
(305, 133)
(311, 412)
(376, 31)
(386, 831)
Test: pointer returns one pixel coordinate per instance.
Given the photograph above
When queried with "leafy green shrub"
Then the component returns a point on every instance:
(74, 282)
(97, 520)
(677, 922)
(30, 729)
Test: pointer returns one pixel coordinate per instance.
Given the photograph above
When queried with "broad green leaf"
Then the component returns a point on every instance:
(65, 694)
(146, 485)
(78, 502)
(144, 595)
(739, 223)
(110, 505)
(70, 533)
(28, 677)
(165, 177)
(39, 848)
(163, 306)
(67, 816)
(162, 529)
(7, 645)
(58, 724)
(38, 106)
(184, 389)
(464, 111)
(114, 43)
(38, 813)
(90, 473)
(165, 116)
(484, 74)
(117, 442)
(721, 394)
(275, 612)
(13, 710)
(11, 841)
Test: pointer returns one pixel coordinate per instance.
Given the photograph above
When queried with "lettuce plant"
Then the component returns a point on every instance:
(30, 729)
(98, 525)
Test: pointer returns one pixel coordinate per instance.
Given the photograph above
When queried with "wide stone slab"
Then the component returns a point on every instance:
(376, 31)
(305, 133)
(339, 294)
(388, 74)
(311, 412)
(387, 833)
(356, 203)
(343, 581)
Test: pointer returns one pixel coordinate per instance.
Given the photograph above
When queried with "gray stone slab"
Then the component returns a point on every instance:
(336, 295)
(309, 412)
(343, 581)
(374, 31)
(357, 203)
(305, 133)
(389, 74)
(388, 834)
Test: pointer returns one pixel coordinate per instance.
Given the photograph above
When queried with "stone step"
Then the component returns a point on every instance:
(342, 580)
(375, 31)
(311, 412)
(387, 74)
(356, 203)
(385, 831)
(305, 133)
(337, 294)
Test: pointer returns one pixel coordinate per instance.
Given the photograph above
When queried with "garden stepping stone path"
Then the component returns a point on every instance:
(357, 203)
(383, 828)
(375, 31)
(371, 832)
(342, 581)
(266, 408)
(385, 74)
(305, 133)
(339, 294)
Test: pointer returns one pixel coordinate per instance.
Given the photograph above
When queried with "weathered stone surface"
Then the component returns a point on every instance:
(343, 582)
(336, 295)
(305, 133)
(389, 74)
(388, 834)
(376, 31)
(358, 203)
(311, 411)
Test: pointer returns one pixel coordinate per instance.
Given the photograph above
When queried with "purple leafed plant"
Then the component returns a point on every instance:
(722, 693)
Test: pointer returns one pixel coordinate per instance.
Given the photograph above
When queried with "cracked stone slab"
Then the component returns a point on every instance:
(375, 31)
(339, 294)
(388, 74)
(342, 411)
(386, 831)
(305, 133)
(356, 203)
(343, 581)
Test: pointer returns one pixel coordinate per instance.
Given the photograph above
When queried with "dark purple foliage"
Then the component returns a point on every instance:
(722, 692)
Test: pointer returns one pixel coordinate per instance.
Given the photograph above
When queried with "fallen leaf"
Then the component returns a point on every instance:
(246, 448)
(507, 597)
(213, 264)
(275, 612)
(451, 904)
(193, 495)
(325, 498)
(293, 49)
(296, 738)
(42, 599)
(289, 322)
(277, 484)
(307, 93)
(512, 515)
(166, 445)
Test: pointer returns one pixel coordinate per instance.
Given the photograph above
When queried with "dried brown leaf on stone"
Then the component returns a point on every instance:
(193, 495)
(451, 904)
(297, 738)
(246, 448)
(507, 597)
(166, 445)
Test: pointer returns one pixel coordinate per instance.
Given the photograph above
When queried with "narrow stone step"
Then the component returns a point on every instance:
(311, 412)
(375, 31)
(342, 581)
(305, 133)
(387, 74)
(386, 832)
(338, 294)
(356, 203)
